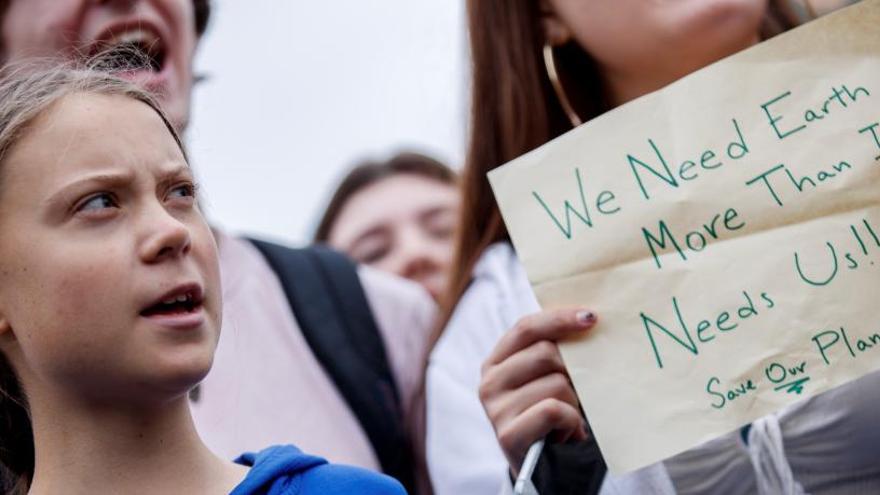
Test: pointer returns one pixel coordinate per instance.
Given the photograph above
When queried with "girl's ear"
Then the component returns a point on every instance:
(6, 331)
(5, 328)
(556, 33)
(7, 336)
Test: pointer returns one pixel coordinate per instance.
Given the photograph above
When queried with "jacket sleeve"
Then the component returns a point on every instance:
(571, 468)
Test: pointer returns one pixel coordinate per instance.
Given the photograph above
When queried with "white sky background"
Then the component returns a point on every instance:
(298, 91)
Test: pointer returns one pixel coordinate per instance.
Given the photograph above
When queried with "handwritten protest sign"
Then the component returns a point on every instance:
(727, 231)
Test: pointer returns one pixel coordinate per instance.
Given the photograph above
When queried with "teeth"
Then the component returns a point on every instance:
(179, 299)
(134, 36)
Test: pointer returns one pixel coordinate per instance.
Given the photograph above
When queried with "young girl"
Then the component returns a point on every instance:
(398, 216)
(110, 303)
(540, 68)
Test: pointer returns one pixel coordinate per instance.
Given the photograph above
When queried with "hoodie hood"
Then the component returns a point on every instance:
(274, 470)
(286, 470)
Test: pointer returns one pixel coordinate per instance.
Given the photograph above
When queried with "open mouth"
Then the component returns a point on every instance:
(180, 301)
(132, 49)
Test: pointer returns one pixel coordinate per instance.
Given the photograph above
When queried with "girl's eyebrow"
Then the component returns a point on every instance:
(117, 179)
(433, 211)
(173, 174)
(109, 179)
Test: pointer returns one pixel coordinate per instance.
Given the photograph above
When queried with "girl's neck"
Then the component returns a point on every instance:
(95, 448)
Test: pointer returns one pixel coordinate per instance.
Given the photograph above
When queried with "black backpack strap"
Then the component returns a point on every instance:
(325, 294)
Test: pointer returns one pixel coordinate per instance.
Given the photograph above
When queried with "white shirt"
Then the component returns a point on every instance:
(266, 386)
(826, 445)
(462, 451)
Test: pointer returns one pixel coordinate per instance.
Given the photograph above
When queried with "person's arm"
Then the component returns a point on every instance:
(462, 452)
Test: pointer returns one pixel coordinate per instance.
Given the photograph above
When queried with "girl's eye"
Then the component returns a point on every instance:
(371, 249)
(372, 256)
(182, 191)
(441, 232)
(98, 202)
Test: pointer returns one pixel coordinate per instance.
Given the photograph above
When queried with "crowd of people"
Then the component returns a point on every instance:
(143, 350)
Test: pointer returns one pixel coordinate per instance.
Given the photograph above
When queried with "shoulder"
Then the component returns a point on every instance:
(284, 469)
(397, 303)
(500, 278)
(240, 262)
(391, 299)
(331, 479)
(497, 297)
(404, 314)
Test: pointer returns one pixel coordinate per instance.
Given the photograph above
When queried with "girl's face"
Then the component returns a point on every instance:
(109, 282)
(402, 224)
(653, 40)
(163, 29)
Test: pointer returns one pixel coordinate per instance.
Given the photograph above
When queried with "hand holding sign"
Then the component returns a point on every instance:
(524, 387)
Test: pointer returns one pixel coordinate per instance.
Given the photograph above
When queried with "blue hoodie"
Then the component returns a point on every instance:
(286, 470)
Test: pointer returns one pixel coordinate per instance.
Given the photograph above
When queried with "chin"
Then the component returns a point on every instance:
(713, 29)
(176, 108)
(730, 18)
(174, 378)
(179, 118)
(435, 289)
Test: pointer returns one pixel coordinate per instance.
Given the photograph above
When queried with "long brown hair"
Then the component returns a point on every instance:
(25, 94)
(514, 109)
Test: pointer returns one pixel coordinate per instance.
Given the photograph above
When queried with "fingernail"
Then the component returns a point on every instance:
(586, 318)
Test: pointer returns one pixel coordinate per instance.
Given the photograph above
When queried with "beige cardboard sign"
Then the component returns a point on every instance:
(726, 230)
